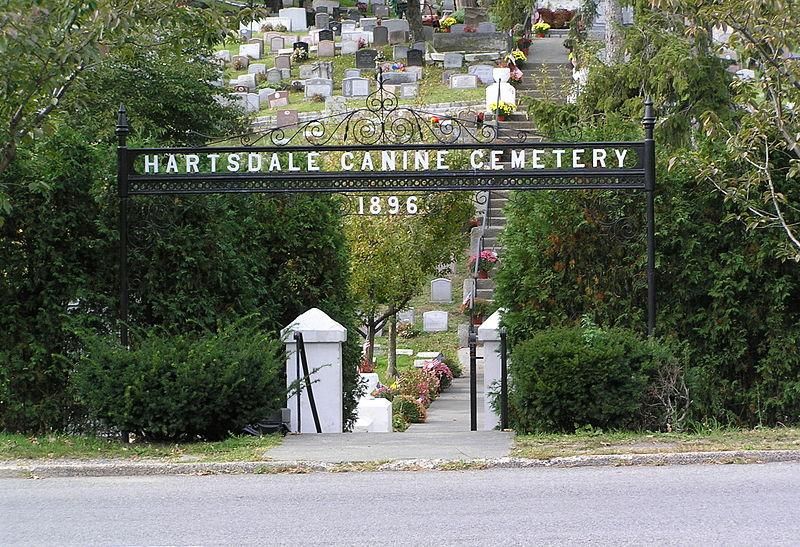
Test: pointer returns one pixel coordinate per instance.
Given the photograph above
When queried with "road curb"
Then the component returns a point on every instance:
(124, 468)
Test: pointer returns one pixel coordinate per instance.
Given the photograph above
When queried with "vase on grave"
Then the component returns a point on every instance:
(477, 319)
(483, 274)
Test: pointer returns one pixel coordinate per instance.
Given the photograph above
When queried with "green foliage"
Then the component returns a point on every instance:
(418, 384)
(182, 387)
(453, 362)
(567, 378)
(409, 408)
(507, 14)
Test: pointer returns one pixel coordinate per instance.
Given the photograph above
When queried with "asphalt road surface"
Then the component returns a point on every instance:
(687, 505)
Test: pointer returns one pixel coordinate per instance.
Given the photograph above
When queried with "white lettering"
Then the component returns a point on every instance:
(172, 164)
(347, 161)
(251, 164)
(213, 158)
(621, 157)
(151, 164)
(292, 166)
(405, 160)
(440, 164)
(366, 163)
(517, 159)
(495, 163)
(275, 163)
(473, 159)
(559, 154)
(421, 160)
(598, 157)
(312, 161)
(388, 160)
(576, 158)
(192, 163)
(233, 162)
(537, 156)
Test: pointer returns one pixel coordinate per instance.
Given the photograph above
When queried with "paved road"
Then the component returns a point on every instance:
(689, 505)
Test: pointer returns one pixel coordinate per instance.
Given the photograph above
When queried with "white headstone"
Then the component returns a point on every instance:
(463, 81)
(405, 316)
(434, 321)
(319, 86)
(296, 17)
(506, 92)
(349, 47)
(355, 87)
(257, 68)
(484, 73)
(441, 290)
(253, 51)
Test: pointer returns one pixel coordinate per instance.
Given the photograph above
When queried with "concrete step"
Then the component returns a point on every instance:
(485, 294)
(485, 284)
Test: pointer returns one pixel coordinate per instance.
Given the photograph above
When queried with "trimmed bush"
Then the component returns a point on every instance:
(419, 384)
(567, 378)
(182, 387)
(409, 408)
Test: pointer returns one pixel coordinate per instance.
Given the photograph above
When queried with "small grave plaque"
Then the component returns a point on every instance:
(355, 87)
(434, 321)
(457, 29)
(487, 27)
(441, 290)
(319, 86)
(409, 91)
(463, 81)
(288, 118)
(453, 60)
(280, 98)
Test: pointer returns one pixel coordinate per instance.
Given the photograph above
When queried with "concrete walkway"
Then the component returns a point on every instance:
(445, 435)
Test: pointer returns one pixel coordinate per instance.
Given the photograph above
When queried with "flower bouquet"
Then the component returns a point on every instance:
(502, 109)
(541, 29)
(486, 261)
(446, 23)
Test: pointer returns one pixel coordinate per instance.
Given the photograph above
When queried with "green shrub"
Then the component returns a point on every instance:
(182, 387)
(409, 408)
(419, 384)
(566, 378)
(399, 423)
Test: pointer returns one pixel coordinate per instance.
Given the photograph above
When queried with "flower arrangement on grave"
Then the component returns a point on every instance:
(364, 366)
(541, 29)
(523, 44)
(470, 29)
(362, 7)
(477, 311)
(418, 383)
(267, 27)
(362, 43)
(446, 23)
(299, 54)
(502, 109)
(280, 28)
(515, 77)
(407, 330)
(487, 258)
(435, 120)
(393, 67)
(518, 55)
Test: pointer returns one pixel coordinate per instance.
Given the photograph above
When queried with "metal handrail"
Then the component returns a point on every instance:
(478, 251)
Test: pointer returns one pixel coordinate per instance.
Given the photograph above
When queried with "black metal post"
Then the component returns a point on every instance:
(649, 123)
(122, 190)
(301, 350)
(473, 382)
(297, 380)
(503, 380)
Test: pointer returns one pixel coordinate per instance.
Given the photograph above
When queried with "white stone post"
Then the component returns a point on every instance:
(489, 334)
(322, 338)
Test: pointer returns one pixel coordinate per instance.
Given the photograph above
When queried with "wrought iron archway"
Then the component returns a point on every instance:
(394, 133)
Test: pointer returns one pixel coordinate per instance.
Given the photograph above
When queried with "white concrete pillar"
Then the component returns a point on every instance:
(489, 334)
(322, 338)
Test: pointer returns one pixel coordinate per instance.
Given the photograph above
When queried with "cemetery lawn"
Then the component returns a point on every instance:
(60, 446)
(431, 89)
(546, 446)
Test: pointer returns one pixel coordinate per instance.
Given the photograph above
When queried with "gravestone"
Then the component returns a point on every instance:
(288, 118)
(252, 103)
(318, 86)
(448, 5)
(223, 56)
(427, 33)
(367, 23)
(352, 73)
(398, 37)
(405, 316)
(296, 17)
(326, 48)
(399, 52)
(353, 14)
(380, 11)
(506, 92)
(335, 104)
(483, 72)
(434, 321)
(365, 58)
(395, 78)
(446, 76)
(274, 75)
(416, 71)
(380, 36)
(394, 89)
(409, 91)
(396, 24)
(265, 95)
(335, 27)
(453, 60)
(320, 9)
(349, 26)
(327, 4)
(276, 43)
(248, 80)
(420, 46)
(348, 47)
(415, 57)
(355, 87)
(441, 290)
(321, 69)
(280, 98)
(240, 61)
(487, 27)
(257, 68)
(457, 29)
(283, 61)
(326, 35)
(286, 73)
(463, 81)
(302, 46)
(321, 20)
(253, 51)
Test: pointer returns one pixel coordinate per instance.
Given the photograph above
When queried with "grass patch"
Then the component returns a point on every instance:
(59, 446)
(546, 446)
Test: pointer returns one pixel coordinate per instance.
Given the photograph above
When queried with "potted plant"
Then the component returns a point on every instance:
(446, 23)
(515, 76)
(524, 44)
(486, 261)
(519, 57)
(502, 110)
(478, 311)
(541, 29)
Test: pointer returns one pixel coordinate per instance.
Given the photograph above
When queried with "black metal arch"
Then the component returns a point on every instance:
(381, 126)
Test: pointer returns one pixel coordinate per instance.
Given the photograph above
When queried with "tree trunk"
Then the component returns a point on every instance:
(615, 46)
(414, 17)
(391, 369)
(370, 351)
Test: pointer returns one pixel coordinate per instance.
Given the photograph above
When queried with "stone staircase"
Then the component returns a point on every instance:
(547, 74)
